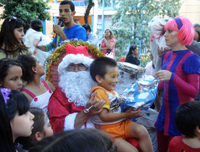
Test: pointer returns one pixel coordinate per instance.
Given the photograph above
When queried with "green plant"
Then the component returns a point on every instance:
(26, 10)
(130, 23)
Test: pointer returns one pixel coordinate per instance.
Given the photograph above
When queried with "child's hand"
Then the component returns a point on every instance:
(132, 113)
(161, 51)
(35, 42)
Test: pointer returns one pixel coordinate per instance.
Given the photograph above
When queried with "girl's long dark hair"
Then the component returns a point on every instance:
(7, 35)
(18, 103)
(27, 61)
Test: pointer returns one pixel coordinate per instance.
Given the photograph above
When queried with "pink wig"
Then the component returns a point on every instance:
(184, 28)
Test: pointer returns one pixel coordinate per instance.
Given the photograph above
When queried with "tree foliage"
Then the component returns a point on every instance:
(130, 23)
(26, 10)
(89, 4)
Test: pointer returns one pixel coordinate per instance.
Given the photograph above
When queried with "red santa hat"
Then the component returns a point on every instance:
(74, 55)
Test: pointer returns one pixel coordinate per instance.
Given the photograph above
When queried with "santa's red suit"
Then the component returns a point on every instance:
(63, 113)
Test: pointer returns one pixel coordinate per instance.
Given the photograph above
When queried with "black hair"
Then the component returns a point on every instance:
(38, 126)
(87, 27)
(198, 32)
(84, 140)
(28, 61)
(72, 7)
(36, 24)
(17, 103)
(5, 65)
(132, 48)
(99, 66)
(196, 25)
(7, 36)
(187, 118)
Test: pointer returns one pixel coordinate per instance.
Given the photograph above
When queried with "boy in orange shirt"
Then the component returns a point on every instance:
(105, 72)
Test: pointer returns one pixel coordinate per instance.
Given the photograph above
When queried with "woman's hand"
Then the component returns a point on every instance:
(104, 40)
(161, 51)
(163, 75)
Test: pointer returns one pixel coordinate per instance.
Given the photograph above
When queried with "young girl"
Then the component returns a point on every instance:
(11, 73)
(11, 35)
(16, 120)
(38, 92)
(179, 77)
(41, 129)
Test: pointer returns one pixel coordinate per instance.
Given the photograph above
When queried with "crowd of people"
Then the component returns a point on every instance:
(83, 113)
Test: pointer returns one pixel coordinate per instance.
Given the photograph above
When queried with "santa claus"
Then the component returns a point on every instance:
(68, 106)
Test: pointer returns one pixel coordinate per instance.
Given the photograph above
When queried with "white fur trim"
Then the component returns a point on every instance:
(90, 124)
(76, 59)
(70, 120)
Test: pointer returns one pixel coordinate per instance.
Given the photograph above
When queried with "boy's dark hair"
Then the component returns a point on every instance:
(5, 65)
(38, 126)
(36, 24)
(99, 66)
(187, 118)
(28, 61)
(70, 3)
(87, 27)
(84, 140)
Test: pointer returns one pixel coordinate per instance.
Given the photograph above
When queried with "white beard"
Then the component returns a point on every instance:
(77, 86)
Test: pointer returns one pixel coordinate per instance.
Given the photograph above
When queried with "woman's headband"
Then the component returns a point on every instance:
(178, 22)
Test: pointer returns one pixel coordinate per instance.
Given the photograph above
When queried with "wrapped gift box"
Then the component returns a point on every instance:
(130, 68)
(141, 94)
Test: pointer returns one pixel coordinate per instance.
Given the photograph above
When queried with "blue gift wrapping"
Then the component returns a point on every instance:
(141, 94)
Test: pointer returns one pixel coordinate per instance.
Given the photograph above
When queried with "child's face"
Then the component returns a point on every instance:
(13, 79)
(48, 131)
(110, 79)
(19, 33)
(22, 125)
(39, 67)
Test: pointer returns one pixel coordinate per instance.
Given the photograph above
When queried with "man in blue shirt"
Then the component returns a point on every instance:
(91, 38)
(70, 31)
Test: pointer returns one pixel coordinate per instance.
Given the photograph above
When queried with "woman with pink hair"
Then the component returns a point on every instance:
(179, 77)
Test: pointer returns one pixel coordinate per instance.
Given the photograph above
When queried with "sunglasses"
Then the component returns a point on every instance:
(12, 18)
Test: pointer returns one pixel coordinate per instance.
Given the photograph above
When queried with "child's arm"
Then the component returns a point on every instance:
(109, 116)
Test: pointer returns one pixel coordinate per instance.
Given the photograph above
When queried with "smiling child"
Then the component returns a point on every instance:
(105, 72)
